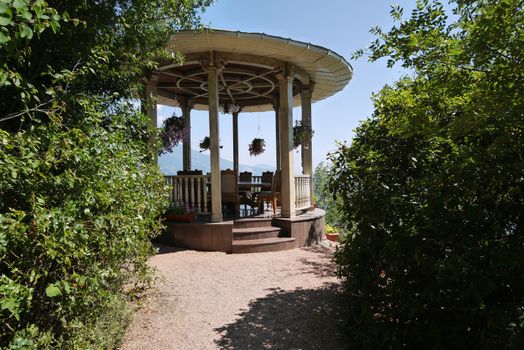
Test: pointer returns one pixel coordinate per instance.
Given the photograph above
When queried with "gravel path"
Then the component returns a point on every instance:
(208, 300)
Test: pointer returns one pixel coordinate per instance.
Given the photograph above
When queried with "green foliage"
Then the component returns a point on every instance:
(331, 229)
(101, 48)
(20, 19)
(80, 198)
(324, 197)
(107, 330)
(302, 134)
(204, 144)
(176, 208)
(257, 146)
(434, 184)
(73, 231)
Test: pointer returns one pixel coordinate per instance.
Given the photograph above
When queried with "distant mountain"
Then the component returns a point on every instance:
(171, 162)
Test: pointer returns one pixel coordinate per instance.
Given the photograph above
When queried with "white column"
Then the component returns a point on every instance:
(186, 150)
(306, 150)
(235, 141)
(276, 103)
(216, 194)
(287, 195)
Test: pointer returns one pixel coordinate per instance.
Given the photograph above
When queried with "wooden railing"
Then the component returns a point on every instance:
(302, 191)
(189, 190)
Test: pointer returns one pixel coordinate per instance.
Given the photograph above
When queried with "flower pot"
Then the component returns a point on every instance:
(334, 237)
(257, 147)
(179, 217)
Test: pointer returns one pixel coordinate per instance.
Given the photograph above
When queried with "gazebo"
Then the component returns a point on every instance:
(237, 72)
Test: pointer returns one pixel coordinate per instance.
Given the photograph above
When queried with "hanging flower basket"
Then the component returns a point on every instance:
(205, 144)
(257, 146)
(174, 130)
(302, 134)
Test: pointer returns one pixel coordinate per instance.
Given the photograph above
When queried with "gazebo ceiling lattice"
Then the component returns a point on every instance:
(250, 65)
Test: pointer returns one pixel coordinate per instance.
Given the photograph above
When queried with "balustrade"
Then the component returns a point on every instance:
(302, 191)
(189, 190)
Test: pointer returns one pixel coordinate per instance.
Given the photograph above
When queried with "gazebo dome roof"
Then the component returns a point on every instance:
(251, 63)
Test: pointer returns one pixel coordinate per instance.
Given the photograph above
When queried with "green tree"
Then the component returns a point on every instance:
(79, 197)
(52, 52)
(434, 183)
(323, 195)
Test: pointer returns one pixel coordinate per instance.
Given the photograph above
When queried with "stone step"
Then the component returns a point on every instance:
(252, 222)
(249, 233)
(263, 245)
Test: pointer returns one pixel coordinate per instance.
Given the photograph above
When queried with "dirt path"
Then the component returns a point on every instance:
(278, 300)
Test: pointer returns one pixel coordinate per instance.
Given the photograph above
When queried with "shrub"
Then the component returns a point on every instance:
(79, 193)
(433, 183)
(324, 197)
(78, 208)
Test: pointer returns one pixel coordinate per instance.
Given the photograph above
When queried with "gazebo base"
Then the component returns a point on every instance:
(249, 235)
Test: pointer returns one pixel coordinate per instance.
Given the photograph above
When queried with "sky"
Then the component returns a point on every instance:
(339, 25)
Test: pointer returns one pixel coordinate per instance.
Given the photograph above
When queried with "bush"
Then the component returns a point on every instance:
(434, 185)
(78, 208)
(324, 197)
(79, 194)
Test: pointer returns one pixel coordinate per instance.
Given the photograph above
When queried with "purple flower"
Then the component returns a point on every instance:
(174, 130)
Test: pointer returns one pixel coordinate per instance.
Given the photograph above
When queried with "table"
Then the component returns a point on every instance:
(254, 185)
(266, 186)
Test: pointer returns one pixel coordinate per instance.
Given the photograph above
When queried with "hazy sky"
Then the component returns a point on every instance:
(339, 25)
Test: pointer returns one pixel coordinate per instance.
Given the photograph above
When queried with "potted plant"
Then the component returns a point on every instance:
(174, 130)
(257, 146)
(302, 134)
(332, 233)
(205, 144)
(178, 212)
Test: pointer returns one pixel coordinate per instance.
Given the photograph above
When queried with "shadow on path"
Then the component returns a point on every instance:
(322, 266)
(298, 319)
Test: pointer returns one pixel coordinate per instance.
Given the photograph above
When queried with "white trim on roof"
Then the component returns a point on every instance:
(329, 70)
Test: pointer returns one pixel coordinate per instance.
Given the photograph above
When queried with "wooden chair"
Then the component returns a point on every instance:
(267, 177)
(245, 190)
(229, 187)
(272, 196)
